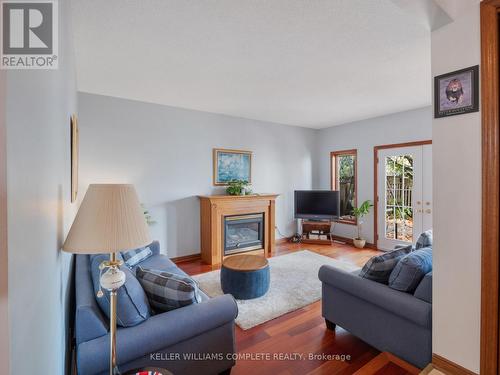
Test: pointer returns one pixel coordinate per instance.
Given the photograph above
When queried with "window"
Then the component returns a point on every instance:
(343, 172)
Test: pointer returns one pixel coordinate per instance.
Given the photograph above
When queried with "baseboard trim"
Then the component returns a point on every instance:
(283, 240)
(371, 246)
(448, 367)
(350, 241)
(186, 258)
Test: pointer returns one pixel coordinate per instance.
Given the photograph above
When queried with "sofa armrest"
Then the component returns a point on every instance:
(89, 323)
(159, 331)
(398, 303)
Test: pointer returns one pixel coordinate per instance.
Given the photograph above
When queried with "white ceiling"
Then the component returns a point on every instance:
(313, 63)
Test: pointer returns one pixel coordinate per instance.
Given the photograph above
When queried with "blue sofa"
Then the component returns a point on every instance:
(387, 319)
(203, 330)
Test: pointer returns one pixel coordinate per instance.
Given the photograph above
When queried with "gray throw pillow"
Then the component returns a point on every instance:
(134, 257)
(424, 240)
(379, 267)
(132, 302)
(411, 269)
(168, 291)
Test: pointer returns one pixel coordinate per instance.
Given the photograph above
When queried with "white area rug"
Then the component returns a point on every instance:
(294, 284)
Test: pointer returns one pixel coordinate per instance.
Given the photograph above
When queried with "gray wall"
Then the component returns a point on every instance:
(39, 105)
(363, 135)
(167, 153)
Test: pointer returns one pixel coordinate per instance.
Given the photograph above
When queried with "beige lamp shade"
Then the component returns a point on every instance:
(110, 219)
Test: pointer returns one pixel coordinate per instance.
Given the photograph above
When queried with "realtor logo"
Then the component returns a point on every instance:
(29, 34)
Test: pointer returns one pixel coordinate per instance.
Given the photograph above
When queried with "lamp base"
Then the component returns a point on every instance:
(112, 280)
(113, 366)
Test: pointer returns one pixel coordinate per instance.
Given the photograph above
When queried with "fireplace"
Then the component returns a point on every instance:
(218, 210)
(243, 233)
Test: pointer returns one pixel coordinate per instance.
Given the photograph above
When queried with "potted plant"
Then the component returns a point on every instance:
(238, 187)
(359, 212)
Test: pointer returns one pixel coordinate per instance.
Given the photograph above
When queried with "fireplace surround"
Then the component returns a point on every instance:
(235, 224)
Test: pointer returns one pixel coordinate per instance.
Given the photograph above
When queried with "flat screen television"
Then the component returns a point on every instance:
(317, 204)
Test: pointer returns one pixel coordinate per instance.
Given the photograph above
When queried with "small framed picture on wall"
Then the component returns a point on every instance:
(74, 156)
(457, 92)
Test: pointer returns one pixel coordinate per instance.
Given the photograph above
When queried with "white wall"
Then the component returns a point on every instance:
(415, 125)
(167, 153)
(39, 105)
(457, 199)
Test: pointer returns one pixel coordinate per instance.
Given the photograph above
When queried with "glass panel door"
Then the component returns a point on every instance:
(399, 206)
(399, 202)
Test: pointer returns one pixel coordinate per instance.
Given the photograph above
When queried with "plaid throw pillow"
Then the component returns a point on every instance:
(134, 257)
(424, 240)
(379, 267)
(168, 291)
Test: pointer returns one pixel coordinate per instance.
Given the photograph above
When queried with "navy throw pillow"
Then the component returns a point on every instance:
(132, 303)
(379, 267)
(411, 269)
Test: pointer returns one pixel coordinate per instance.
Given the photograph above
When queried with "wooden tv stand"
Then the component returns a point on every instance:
(325, 226)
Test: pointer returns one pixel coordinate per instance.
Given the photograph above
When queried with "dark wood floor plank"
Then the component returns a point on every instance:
(359, 362)
(391, 369)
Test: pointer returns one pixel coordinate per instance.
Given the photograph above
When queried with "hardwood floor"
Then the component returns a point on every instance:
(302, 335)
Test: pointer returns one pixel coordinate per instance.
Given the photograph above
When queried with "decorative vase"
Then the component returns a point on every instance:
(359, 243)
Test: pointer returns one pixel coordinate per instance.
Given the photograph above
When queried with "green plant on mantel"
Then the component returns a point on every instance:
(238, 187)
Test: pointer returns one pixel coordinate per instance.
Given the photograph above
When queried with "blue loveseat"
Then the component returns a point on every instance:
(204, 331)
(387, 319)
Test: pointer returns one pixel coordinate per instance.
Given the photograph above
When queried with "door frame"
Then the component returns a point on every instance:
(489, 363)
(376, 149)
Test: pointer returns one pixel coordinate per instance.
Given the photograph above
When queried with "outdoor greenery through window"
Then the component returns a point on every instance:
(399, 187)
(344, 164)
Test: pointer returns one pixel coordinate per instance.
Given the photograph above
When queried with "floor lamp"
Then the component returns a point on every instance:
(110, 219)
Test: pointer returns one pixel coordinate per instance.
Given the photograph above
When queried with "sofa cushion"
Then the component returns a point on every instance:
(134, 257)
(166, 290)
(411, 269)
(132, 302)
(424, 240)
(424, 289)
(379, 267)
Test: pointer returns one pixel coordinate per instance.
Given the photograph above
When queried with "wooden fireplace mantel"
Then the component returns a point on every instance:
(214, 208)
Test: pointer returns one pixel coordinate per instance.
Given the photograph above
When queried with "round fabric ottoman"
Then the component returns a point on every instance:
(245, 276)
